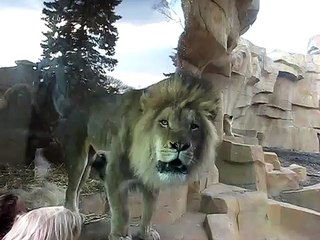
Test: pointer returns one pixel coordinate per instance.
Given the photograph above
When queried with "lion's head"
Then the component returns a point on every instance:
(175, 132)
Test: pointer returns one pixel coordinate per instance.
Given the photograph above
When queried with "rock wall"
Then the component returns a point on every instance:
(15, 118)
(276, 95)
(212, 29)
(24, 72)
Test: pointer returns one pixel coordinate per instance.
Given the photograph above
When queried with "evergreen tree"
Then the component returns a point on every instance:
(80, 43)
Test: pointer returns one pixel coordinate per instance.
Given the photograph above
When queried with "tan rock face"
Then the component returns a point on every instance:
(239, 214)
(189, 227)
(305, 93)
(278, 96)
(281, 180)
(272, 158)
(171, 205)
(269, 167)
(274, 212)
(236, 213)
(221, 227)
(300, 171)
(307, 197)
(314, 45)
(212, 31)
(227, 199)
(214, 202)
(301, 119)
(241, 153)
(241, 165)
(293, 217)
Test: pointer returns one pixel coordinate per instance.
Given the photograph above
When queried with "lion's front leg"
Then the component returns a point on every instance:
(118, 202)
(149, 202)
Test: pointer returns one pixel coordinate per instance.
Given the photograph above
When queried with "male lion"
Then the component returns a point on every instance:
(156, 137)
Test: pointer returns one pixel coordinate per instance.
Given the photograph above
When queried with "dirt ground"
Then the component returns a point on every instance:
(309, 160)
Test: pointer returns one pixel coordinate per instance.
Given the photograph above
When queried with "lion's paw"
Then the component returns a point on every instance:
(125, 238)
(120, 238)
(152, 234)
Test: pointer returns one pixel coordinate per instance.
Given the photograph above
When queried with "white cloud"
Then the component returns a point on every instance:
(21, 35)
(137, 41)
(286, 24)
(137, 79)
(147, 37)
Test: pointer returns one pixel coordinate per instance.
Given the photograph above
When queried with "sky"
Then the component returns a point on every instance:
(146, 38)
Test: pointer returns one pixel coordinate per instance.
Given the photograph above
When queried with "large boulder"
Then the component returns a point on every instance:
(212, 29)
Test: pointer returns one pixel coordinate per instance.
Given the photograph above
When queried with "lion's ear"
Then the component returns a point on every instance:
(210, 104)
(210, 107)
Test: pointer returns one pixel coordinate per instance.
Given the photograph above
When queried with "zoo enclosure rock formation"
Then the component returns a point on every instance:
(15, 119)
(212, 29)
(276, 95)
(314, 45)
(237, 214)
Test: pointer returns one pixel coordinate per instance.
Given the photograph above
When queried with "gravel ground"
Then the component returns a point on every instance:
(309, 160)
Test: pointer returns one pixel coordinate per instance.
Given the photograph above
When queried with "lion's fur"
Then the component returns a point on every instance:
(125, 126)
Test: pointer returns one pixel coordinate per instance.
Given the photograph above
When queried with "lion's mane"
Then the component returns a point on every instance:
(181, 91)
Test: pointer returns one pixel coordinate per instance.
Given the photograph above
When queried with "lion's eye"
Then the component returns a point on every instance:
(194, 126)
(164, 123)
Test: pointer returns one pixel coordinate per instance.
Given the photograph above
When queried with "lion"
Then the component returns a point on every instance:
(227, 125)
(155, 137)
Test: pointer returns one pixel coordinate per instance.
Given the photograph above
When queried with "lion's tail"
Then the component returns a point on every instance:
(59, 95)
(55, 70)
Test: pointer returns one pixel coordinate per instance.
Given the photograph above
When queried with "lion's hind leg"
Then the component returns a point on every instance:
(87, 169)
(76, 170)
(76, 152)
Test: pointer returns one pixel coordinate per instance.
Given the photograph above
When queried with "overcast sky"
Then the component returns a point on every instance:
(146, 39)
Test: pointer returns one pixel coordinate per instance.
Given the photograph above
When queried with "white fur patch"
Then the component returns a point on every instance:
(172, 178)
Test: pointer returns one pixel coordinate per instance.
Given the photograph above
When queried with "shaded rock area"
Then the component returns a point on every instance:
(24, 72)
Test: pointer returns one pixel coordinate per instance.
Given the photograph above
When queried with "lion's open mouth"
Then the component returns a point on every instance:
(175, 166)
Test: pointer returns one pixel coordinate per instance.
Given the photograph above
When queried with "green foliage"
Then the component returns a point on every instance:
(80, 40)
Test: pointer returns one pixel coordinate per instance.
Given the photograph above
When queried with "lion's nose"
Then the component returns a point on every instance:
(179, 146)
